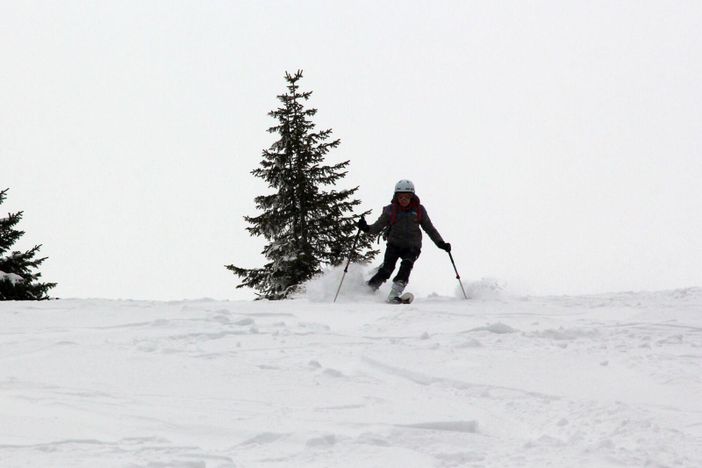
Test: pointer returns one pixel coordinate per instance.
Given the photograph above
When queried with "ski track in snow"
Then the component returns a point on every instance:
(606, 380)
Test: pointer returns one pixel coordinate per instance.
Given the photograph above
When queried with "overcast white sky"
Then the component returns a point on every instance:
(556, 145)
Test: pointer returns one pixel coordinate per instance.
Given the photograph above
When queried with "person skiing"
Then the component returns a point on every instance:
(401, 221)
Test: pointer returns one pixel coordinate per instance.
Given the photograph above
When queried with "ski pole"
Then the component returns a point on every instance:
(458, 277)
(346, 269)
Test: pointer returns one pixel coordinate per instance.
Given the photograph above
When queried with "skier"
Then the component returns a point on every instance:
(401, 221)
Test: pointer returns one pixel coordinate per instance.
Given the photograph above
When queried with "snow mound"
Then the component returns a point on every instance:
(498, 328)
(451, 426)
(565, 333)
(486, 288)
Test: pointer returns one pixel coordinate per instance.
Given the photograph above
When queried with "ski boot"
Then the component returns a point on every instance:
(396, 292)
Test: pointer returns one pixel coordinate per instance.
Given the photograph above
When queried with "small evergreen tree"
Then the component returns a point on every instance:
(17, 280)
(307, 225)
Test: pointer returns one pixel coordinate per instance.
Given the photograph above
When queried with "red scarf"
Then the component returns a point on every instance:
(414, 205)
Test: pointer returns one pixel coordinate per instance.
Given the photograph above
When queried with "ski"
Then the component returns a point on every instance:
(406, 298)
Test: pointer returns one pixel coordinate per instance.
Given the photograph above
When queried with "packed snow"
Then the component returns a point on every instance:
(497, 380)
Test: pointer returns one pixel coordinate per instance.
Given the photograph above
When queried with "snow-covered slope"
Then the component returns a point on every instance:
(609, 380)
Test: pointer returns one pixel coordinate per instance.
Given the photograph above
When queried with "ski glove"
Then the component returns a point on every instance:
(445, 246)
(363, 225)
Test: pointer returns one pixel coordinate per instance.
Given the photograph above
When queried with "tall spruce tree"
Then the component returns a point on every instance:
(307, 223)
(18, 278)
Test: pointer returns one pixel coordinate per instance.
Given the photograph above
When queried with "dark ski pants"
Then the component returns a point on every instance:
(393, 253)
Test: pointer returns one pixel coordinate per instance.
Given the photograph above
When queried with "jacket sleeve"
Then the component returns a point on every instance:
(429, 228)
(382, 221)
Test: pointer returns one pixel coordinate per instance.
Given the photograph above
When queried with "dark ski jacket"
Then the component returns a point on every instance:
(404, 223)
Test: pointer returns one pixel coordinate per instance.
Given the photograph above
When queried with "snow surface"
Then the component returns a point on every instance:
(602, 381)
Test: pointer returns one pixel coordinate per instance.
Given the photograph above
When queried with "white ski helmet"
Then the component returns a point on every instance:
(405, 186)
